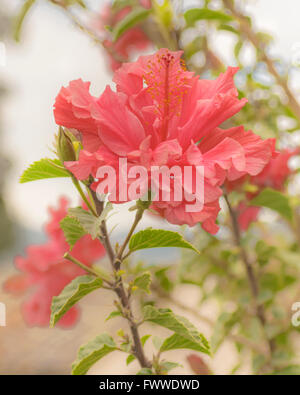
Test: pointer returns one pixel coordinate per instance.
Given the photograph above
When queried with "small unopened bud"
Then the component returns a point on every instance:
(65, 147)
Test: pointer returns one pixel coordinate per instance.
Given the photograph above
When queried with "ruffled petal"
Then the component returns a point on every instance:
(74, 107)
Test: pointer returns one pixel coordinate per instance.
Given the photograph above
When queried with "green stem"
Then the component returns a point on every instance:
(83, 196)
(123, 295)
(138, 217)
(89, 270)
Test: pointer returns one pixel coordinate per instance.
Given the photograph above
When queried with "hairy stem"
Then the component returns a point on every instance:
(253, 283)
(123, 295)
(138, 350)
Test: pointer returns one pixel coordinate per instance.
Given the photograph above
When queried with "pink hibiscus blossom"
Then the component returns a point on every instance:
(46, 271)
(274, 175)
(133, 39)
(163, 115)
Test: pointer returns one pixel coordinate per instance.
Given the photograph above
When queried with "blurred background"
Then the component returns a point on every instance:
(53, 51)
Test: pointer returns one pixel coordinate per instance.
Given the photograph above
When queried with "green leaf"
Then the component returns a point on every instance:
(264, 296)
(238, 47)
(196, 14)
(143, 282)
(71, 294)
(126, 347)
(166, 366)
(144, 372)
(138, 15)
(293, 370)
(157, 342)
(274, 200)
(113, 314)
(164, 280)
(264, 252)
(21, 17)
(228, 28)
(72, 229)
(144, 339)
(44, 168)
(130, 359)
(186, 334)
(157, 238)
(92, 352)
(89, 222)
(222, 327)
(176, 342)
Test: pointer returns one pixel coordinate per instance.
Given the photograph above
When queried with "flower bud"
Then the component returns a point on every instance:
(65, 147)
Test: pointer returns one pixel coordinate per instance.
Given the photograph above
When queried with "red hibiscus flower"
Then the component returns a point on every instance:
(274, 175)
(46, 272)
(163, 115)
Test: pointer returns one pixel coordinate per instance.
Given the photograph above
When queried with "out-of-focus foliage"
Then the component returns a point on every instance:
(5, 223)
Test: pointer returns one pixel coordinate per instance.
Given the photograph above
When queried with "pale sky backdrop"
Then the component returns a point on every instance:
(52, 53)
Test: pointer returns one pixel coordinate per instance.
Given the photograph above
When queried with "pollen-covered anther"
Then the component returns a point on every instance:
(166, 81)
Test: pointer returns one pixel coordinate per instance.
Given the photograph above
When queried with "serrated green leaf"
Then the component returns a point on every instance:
(72, 229)
(138, 15)
(196, 14)
(176, 342)
(92, 352)
(71, 294)
(44, 168)
(113, 314)
(143, 282)
(21, 17)
(157, 238)
(274, 200)
(89, 222)
(184, 330)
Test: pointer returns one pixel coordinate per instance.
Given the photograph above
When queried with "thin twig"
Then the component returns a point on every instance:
(92, 34)
(260, 311)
